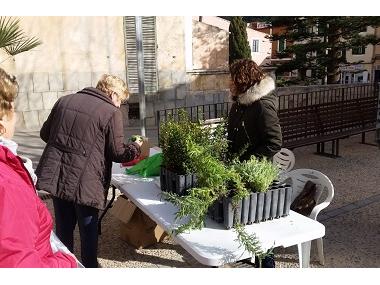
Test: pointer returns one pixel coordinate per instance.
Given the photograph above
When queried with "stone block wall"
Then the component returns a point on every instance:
(74, 53)
(39, 91)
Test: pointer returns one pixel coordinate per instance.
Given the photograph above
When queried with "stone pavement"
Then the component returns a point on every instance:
(352, 220)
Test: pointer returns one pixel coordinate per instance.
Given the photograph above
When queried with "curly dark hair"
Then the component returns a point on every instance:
(244, 74)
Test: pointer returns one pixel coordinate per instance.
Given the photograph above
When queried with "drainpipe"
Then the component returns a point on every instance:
(140, 69)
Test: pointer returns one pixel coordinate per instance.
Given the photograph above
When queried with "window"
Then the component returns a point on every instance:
(281, 45)
(255, 46)
(358, 50)
(133, 111)
(149, 50)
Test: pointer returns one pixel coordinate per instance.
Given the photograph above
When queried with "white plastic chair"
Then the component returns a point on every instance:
(323, 197)
(285, 160)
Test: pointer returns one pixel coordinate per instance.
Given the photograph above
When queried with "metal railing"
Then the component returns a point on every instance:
(196, 113)
(342, 94)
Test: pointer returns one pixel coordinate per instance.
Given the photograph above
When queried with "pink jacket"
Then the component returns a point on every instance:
(25, 222)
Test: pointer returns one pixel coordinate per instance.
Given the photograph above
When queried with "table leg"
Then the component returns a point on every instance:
(106, 209)
(304, 254)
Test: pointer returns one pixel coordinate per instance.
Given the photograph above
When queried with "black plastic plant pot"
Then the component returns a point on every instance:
(218, 211)
(252, 208)
(260, 207)
(281, 202)
(215, 211)
(288, 200)
(267, 205)
(163, 179)
(176, 183)
(245, 210)
(211, 211)
(229, 212)
(274, 203)
(180, 184)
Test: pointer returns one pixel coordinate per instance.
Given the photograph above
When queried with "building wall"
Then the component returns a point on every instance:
(170, 51)
(261, 57)
(367, 56)
(171, 67)
(75, 52)
(265, 46)
(204, 81)
(210, 47)
(274, 31)
(365, 67)
(209, 78)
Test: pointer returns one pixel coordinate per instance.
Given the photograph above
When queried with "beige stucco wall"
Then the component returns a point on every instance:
(170, 51)
(210, 47)
(74, 53)
(366, 57)
(261, 57)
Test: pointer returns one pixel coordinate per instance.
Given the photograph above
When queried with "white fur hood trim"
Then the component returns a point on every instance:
(257, 91)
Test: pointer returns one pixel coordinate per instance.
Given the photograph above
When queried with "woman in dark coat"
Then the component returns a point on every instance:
(253, 124)
(84, 135)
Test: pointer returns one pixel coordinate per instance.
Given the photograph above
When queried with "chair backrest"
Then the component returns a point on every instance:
(325, 189)
(284, 159)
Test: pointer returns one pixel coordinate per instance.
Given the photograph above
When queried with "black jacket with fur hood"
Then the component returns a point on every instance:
(253, 122)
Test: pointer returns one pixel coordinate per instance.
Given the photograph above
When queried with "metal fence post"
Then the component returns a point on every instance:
(141, 78)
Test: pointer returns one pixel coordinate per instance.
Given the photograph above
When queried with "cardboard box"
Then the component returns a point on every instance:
(145, 148)
(123, 209)
(141, 231)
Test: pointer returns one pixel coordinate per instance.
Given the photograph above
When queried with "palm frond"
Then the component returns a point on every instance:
(12, 38)
(23, 45)
(10, 31)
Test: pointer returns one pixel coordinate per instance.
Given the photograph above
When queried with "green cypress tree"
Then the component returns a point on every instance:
(238, 40)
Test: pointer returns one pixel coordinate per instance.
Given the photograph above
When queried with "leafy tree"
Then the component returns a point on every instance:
(238, 40)
(13, 39)
(320, 43)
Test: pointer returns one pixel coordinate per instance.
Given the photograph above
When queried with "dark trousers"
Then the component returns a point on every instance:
(67, 214)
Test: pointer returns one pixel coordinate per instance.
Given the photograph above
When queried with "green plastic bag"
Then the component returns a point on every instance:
(149, 166)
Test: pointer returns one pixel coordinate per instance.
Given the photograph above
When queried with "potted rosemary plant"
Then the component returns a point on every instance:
(223, 189)
(177, 171)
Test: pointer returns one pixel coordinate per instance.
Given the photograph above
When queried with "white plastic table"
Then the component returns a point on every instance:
(214, 245)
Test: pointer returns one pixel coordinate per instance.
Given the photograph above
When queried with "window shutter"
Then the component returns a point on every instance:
(131, 53)
(149, 50)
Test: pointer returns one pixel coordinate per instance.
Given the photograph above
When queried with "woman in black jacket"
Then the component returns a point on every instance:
(253, 124)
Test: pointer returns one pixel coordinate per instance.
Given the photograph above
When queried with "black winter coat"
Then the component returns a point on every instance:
(84, 134)
(253, 122)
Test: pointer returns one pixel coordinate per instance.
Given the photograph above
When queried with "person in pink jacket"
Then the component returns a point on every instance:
(25, 222)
